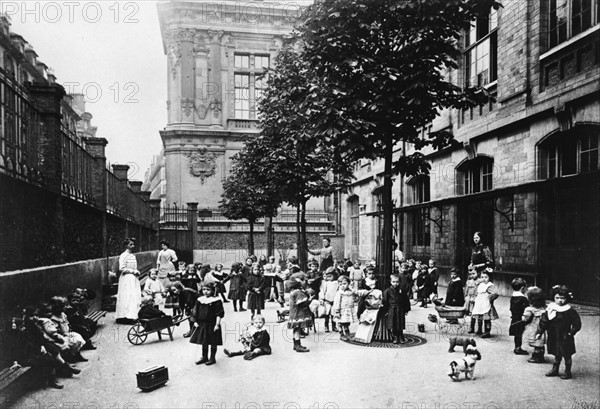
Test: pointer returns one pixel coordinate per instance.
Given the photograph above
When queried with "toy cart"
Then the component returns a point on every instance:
(138, 333)
(455, 317)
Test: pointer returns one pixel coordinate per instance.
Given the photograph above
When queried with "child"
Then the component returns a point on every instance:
(206, 316)
(455, 297)
(255, 340)
(257, 285)
(314, 277)
(74, 339)
(434, 275)
(280, 278)
(423, 286)
(518, 303)
(190, 278)
(269, 276)
(484, 309)
(148, 310)
(531, 318)
(222, 278)
(172, 278)
(355, 274)
(153, 287)
(300, 316)
(186, 297)
(237, 286)
(561, 323)
(395, 307)
(471, 294)
(344, 307)
(370, 280)
(327, 292)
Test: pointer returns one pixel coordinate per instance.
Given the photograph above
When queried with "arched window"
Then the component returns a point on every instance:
(475, 175)
(419, 190)
(569, 153)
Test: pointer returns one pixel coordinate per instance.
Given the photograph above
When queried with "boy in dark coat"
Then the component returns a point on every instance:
(395, 307)
(518, 303)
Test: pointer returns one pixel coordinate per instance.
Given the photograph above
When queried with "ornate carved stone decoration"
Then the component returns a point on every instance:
(174, 53)
(201, 110)
(215, 36)
(202, 164)
(187, 105)
(471, 148)
(564, 114)
(215, 106)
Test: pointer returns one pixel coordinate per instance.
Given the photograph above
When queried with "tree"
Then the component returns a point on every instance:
(384, 63)
(245, 198)
(288, 156)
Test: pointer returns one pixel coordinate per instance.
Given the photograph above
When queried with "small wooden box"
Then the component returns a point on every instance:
(152, 378)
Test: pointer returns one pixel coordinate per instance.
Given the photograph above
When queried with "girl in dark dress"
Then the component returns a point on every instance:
(518, 303)
(561, 323)
(481, 256)
(220, 275)
(423, 286)
(455, 296)
(300, 316)
(206, 316)
(257, 286)
(395, 307)
(237, 286)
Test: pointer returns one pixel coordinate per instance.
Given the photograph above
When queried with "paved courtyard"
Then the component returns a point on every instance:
(334, 374)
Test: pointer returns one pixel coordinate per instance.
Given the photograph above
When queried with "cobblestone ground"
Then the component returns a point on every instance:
(333, 374)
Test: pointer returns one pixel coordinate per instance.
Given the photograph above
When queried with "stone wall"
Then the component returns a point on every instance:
(30, 287)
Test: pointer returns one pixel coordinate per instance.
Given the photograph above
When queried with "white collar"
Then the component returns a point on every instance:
(207, 300)
(553, 308)
(456, 279)
(518, 294)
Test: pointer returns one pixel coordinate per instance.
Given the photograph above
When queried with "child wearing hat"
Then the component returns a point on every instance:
(206, 316)
(300, 316)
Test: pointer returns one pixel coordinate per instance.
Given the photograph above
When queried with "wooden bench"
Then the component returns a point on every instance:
(9, 375)
(96, 315)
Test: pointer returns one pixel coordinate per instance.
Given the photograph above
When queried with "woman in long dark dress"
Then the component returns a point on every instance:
(481, 256)
(206, 316)
(326, 254)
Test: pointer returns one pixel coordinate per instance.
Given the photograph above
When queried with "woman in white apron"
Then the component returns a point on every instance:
(129, 296)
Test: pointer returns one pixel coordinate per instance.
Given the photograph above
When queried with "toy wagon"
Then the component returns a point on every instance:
(455, 317)
(138, 333)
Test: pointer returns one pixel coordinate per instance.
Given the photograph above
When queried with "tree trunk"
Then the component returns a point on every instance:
(268, 234)
(298, 234)
(388, 215)
(251, 238)
(303, 244)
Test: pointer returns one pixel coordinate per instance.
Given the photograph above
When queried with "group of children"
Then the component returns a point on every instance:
(52, 335)
(337, 295)
(537, 324)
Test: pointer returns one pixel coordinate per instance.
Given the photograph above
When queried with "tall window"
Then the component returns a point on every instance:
(420, 189)
(475, 175)
(570, 152)
(420, 227)
(567, 18)
(250, 83)
(481, 50)
(354, 220)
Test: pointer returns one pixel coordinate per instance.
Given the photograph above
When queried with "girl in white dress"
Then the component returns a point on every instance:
(129, 296)
(484, 309)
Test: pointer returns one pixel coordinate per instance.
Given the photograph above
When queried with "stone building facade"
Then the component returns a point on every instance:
(526, 171)
(216, 53)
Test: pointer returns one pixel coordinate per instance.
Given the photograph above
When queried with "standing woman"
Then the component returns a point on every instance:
(165, 263)
(481, 256)
(326, 254)
(129, 296)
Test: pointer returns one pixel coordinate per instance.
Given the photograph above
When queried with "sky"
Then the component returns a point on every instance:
(112, 53)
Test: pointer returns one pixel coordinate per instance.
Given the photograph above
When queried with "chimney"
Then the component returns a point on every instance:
(136, 186)
(120, 171)
(78, 103)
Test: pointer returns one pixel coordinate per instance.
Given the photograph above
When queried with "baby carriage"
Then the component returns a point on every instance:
(455, 318)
